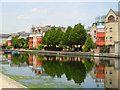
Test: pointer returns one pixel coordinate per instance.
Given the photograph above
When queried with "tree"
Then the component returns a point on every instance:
(49, 37)
(18, 43)
(6, 43)
(27, 40)
(66, 36)
(58, 36)
(78, 35)
(89, 44)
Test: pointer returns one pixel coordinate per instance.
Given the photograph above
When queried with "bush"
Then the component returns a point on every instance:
(26, 46)
(54, 48)
(33, 48)
(104, 49)
(10, 47)
(89, 44)
(40, 46)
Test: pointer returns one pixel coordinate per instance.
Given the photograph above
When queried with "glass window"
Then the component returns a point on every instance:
(110, 71)
(110, 81)
(110, 29)
(111, 19)
(110, 38)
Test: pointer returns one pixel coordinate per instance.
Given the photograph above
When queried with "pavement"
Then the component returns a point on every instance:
(6, 82)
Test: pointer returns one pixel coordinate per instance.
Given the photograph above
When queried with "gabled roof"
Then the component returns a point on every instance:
(115, 12)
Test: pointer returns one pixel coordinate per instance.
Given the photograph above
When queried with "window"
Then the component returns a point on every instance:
(106, 38)
(110, 71)
(110, 38)
(110, 29)
(106, 29)
(110, 81)
(111, 19)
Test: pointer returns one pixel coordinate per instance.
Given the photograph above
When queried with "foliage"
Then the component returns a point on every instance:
(18, 43)
(6, 43)
(27, 40)
(40, 57)
(10, 47)
(89, 65)
(58, 36)
(49, 37)
(73, 70)
(89, 44)
(66, 36)
(26, 46)
(19, 59)
(104, 49)
(33, 48)
(78, 35)
(40, 46)
(53, 48)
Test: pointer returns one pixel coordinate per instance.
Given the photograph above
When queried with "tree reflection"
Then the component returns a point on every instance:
(19, 59)
(75, 70)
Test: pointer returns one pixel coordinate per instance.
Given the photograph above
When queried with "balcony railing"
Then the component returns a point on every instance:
(100, 42)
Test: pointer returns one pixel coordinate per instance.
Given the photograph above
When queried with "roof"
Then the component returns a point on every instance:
(4, 35)
(117, 13)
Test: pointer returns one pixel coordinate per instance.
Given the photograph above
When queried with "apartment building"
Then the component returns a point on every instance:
(42, 30)
(105, 31)
(112, 31)
(97, 32)
(3, 39)
(35, 40)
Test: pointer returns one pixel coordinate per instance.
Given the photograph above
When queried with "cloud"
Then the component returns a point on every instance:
(23, 17)
(39, 10)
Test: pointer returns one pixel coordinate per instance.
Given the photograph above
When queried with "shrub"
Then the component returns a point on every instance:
(89, 44)
(54, 48)
(40, 46)
(104, 49)
(33, 48)
(10, 47)
(26, 46)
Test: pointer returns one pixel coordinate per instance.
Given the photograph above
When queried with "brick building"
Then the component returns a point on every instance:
(35, 40)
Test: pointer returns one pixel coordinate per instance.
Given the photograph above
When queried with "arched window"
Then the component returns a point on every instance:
(111, 18)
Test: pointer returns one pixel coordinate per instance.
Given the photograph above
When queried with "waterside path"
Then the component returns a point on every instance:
(109, 55)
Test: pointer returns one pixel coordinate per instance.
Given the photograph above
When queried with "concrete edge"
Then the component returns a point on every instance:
(9, 80)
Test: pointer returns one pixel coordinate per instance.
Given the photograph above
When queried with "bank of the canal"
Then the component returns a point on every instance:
(6, 82)
(108, 55)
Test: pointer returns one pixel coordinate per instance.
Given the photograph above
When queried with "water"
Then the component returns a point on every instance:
(47, 71)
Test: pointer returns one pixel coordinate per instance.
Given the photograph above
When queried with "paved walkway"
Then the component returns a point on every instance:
(6, 82)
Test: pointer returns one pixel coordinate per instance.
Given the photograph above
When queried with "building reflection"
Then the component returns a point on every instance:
(3, 59)
(106, 73)
(35, 64)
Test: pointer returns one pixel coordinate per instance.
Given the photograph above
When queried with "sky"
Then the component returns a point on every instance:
(20, 16)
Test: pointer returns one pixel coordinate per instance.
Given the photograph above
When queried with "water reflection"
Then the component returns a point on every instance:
(103, 71)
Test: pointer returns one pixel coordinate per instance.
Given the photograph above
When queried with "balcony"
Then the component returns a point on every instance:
(100, 43)
(101, 34)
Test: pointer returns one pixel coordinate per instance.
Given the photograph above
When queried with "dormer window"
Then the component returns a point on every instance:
(111, 18)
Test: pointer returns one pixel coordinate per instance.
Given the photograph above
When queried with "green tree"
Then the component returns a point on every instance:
(66, 36)
(40, 46)
(78, 35)
(49, 37)
(18, 43)
(27, 40)
(58, 36)
(6, 43)
(89, 44)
